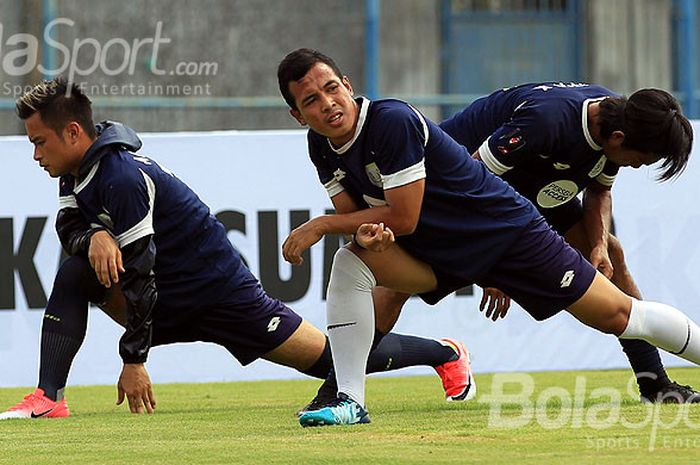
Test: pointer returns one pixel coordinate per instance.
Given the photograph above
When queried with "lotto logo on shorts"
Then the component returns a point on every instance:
(273, 324)
(568, 277)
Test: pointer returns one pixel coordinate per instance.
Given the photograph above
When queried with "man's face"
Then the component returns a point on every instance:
(630, 157)
(324, 102)
(58, 155)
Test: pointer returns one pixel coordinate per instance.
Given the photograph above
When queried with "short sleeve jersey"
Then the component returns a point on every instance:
(537, 138)
(469, 217)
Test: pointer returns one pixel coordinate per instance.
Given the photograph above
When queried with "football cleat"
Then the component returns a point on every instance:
(457, 376)
(673, 393)
(37, 405)
(341, 410)
(326, 393)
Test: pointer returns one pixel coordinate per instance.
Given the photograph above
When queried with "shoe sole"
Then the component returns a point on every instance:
(311, 422)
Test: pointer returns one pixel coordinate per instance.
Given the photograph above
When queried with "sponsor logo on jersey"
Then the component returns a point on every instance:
(556, 193)
(374, 175)
(598, 168)
(338, 174)
(567, 278)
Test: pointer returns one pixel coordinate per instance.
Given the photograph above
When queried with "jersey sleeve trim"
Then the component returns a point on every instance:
(605, 179)
(489, 159)
(405, 176)
(144, 227)
(426, 133)
(333, 187)
(67, 201)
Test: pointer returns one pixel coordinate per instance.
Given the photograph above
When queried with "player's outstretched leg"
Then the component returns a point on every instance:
(652, 379)
(608, 309)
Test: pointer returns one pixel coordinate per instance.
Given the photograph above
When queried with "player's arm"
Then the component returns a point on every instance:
(95, 243)
(129, 196)
(73, 231)
(400, 215)
(517, 141)
(139, 290)
(597, 219)
(344, 203)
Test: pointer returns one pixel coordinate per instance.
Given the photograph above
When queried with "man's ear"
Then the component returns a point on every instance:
(348, 86)
(72, 131)
(617, 138)
(296, 114)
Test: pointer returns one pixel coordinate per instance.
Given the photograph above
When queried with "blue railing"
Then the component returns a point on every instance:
(686, 72)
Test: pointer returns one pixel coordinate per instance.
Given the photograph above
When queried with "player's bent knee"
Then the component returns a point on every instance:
(349, 268)
(75, 275)
(617, 323)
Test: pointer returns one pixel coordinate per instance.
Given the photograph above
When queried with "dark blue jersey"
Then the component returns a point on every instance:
(133, 198)
(536, 137)
(469, 217)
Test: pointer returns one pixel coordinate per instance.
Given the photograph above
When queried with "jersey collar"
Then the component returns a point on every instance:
(364, 106)
(584, 123)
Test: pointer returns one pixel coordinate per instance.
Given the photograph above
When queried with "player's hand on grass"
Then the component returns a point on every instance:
(135, 385)
(300, 240)
(105, 258)
(495, 302)
(374, 237)
(601, 260)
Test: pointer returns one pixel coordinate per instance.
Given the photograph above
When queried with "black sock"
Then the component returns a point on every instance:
(390, 352)
(399, 351)
(323, 365)
(65, 323)
(646, 363)
(57, 354)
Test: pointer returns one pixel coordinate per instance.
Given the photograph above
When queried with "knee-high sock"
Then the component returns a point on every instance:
(350, 321)
(664, 326)
(65, 323)
(645, 360)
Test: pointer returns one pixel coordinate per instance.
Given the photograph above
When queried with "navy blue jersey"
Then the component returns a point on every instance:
(133, 197)
(469, 217)
(536, 137)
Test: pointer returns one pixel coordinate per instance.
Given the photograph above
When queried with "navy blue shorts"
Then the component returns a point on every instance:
(248, 327)
(540, 271)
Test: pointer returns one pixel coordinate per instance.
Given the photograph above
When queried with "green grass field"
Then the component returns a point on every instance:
(254, 422)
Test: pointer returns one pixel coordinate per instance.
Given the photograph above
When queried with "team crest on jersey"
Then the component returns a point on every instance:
(556, 193)
(374, 175)
(511, 142)
(598, 168)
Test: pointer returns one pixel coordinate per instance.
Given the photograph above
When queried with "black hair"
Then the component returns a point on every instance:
(652, 121)
(295, 65)
(58, 102)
